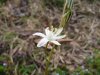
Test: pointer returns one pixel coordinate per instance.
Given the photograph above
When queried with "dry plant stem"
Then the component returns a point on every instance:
(48, 61)
(16, 68)
(11, 59)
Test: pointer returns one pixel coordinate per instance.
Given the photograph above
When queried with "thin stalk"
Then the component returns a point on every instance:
(46, 52)
(16, 68)
(11, 59)
(48, 61)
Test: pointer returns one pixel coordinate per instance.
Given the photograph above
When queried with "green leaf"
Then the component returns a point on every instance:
(61, 72)
(2, 1)
(8, 36)
(1, 68)
(26, 69)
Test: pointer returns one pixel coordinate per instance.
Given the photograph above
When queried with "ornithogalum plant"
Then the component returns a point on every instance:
(54, 34)
(50, 36)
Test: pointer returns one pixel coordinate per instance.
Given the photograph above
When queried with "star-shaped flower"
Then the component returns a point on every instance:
(50, 36)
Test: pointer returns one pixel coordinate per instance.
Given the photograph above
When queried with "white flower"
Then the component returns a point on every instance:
(50, 36)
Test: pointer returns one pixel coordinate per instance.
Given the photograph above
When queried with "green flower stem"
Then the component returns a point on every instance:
(46, 52)
(48, 61)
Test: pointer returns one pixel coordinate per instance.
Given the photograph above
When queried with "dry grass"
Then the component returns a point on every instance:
(19, 20)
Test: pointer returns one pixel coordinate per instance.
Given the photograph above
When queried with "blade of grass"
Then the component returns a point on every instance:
(67, 12)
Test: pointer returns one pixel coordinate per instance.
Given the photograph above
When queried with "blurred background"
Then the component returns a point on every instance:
(19, 19)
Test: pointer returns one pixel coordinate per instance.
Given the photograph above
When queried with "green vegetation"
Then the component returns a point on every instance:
(26, 69)
(2, 2)
(91, 66)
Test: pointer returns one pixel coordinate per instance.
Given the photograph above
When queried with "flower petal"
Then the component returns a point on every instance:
(59, 37)
(39, 34)
(59, 31)
(56, 42)
(42, 42)
(48, 32)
